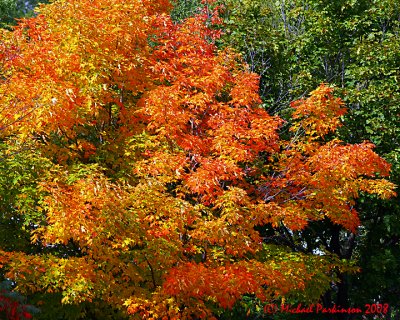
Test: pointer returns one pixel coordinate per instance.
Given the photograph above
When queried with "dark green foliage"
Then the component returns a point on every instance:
(52, 309)
(10, 10)
(184, 9)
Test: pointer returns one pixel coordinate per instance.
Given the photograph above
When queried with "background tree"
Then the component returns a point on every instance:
(294, 45)
(10, 10)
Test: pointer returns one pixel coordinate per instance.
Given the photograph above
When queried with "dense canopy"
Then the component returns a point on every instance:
(146, 173)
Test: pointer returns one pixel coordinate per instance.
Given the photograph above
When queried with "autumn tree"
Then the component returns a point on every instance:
(164, 172)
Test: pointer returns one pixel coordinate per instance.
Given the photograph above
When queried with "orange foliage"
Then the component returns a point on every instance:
(164, 162)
